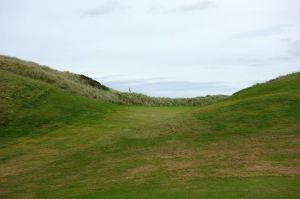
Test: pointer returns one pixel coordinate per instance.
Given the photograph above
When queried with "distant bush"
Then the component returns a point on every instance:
(93, 82)
(136, 98)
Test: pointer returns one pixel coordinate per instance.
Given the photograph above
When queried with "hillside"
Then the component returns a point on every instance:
(58, 143)
(87, 87)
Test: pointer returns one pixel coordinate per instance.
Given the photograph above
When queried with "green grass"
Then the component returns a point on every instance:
(57, 144)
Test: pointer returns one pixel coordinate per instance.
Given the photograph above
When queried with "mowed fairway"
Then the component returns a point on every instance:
(60, 145)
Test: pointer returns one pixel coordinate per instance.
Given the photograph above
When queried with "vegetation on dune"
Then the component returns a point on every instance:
(88, 87)
(56, 144)
(288, 83)
(78, 84)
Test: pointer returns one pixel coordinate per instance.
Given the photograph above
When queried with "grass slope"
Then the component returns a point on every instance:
(55, 144)
(32, 108)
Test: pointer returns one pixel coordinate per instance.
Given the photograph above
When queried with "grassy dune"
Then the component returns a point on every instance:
(87, 87)
(58, 144)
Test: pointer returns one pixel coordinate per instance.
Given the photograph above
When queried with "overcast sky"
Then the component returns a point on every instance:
(175, 48)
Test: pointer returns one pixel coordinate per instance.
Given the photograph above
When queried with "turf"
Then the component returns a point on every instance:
(57, 144)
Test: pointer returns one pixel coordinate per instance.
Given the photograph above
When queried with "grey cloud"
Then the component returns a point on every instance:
(294, 49)
(266, 60)
(291, 54)
(106, 8)
(200, 5)
(264, 32)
